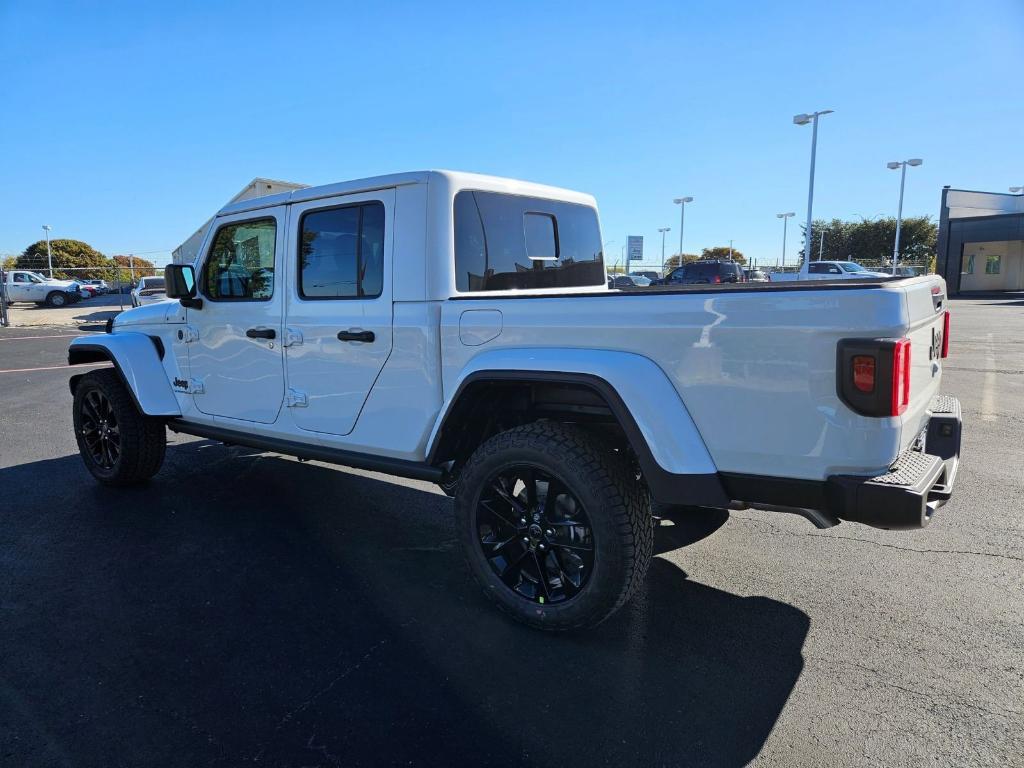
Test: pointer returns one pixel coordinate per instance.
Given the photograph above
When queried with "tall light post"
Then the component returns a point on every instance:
(803, 119)
(663, 230)
(730, 250)
(681, 202)
(49, 256)
(902, 165)
(785, 220)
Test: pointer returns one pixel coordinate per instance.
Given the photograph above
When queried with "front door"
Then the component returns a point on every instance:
(339, 307)
(25, 286)
(237, 362)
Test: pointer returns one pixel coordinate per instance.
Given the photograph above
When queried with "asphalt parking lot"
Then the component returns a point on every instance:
(246, 609)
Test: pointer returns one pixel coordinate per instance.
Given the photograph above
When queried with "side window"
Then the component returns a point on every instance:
(341, 252)
(20, 278)
(507, 242)
(816, 269)
(240, 265)
(834, 270)
(992, 264)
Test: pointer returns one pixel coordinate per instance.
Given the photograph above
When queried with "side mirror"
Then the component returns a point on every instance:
(180, 281)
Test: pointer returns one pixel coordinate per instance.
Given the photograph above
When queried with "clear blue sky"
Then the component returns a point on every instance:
(127, 124)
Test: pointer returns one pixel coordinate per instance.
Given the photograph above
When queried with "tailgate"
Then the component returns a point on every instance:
(926, 305)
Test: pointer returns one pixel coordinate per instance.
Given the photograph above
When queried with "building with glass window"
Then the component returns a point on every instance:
(186, 252)
(981, 241)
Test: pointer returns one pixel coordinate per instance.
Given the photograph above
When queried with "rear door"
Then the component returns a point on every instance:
(237, 357)
(339, 306)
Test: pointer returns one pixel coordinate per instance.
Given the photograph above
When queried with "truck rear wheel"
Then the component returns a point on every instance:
(554, 525)
(119, 445)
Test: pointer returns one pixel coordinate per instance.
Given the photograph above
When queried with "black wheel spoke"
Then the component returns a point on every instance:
(100, 430)
(488, 507)
(554, 489)
(542, 575)
(573, 547)
(529, 478)
(499, 489)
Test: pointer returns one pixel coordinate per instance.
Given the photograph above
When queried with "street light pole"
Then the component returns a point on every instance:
(785, 220)
(821, 246)
(902, 165)
(730, 250)
(663, 230)
(49, 256)
(803, 119)
(681, 202)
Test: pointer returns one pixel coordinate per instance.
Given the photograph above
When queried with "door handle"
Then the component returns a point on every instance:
(353, 335)
(261, 333)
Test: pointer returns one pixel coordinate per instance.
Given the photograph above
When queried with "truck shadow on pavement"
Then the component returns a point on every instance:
(244, 609)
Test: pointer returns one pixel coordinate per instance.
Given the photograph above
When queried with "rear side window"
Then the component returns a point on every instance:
(341, 252)
(696, 269)
(509, 241)
(240, 265)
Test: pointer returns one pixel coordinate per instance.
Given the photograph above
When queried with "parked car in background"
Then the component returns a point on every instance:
(88, 290)
(711, 271)
(101, 286)
(621, 281)
(756, 276)
(909, 271)
(149, 291)
(23, 285)
(833, 270)
(650, 274)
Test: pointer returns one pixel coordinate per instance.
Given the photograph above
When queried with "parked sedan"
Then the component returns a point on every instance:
(755, 275)
(149, 291)
(101, 286)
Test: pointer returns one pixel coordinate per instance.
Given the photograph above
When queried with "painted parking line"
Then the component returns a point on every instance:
(55, 336)
(54, 368)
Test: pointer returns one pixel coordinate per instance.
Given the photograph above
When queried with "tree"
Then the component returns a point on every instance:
(9, 262)
(871, 240)
(72, 259)
(722, 252)
(676, 260)
(122, 267)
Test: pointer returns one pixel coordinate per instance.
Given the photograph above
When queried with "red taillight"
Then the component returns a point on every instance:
(945, 335)
(718, 279)
(864, 373)
(900, 377)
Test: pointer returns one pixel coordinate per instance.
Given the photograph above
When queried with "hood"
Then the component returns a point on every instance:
(156, 313)
(65, 284)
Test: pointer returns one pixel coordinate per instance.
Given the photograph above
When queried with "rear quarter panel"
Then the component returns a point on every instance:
(756, 370)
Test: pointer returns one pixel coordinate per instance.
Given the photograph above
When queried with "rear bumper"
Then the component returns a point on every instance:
(918, 483)
(905, 497)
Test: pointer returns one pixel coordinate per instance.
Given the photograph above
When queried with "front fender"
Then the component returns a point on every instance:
(642, 387)
(137, 359)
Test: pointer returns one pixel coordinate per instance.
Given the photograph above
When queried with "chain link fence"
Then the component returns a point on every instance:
(115, 279)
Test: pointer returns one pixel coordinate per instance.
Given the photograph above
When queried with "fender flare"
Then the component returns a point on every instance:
(672, 454)
(137, 360)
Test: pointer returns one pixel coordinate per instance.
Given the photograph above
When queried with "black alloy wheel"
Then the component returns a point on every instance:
(535, 534)
(100, 430)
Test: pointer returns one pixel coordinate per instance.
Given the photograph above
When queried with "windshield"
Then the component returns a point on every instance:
(851, 266)
(35, 277)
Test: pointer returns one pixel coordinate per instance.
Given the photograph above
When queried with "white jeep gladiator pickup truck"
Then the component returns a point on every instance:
(24, 285)
(458, 329)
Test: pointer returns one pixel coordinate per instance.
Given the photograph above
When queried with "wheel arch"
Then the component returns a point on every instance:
(137, 360)
(622, 391)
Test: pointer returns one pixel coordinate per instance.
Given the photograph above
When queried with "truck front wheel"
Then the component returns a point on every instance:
(554, 525)
(119, 445)
(56, 299)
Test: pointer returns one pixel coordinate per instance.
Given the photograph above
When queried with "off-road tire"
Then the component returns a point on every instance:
(143, 439)
(616, 502)
(56, 299)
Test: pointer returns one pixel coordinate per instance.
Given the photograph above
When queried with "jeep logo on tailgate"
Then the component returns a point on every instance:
(935, 350)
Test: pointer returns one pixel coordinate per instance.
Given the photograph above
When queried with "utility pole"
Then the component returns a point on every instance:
(803, 119)
(821, 245)
(681, 202)
(131, 267)
(49, 256)
(899, 211)
(785, 220)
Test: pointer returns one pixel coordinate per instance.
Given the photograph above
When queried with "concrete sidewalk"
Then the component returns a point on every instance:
(95, 310)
